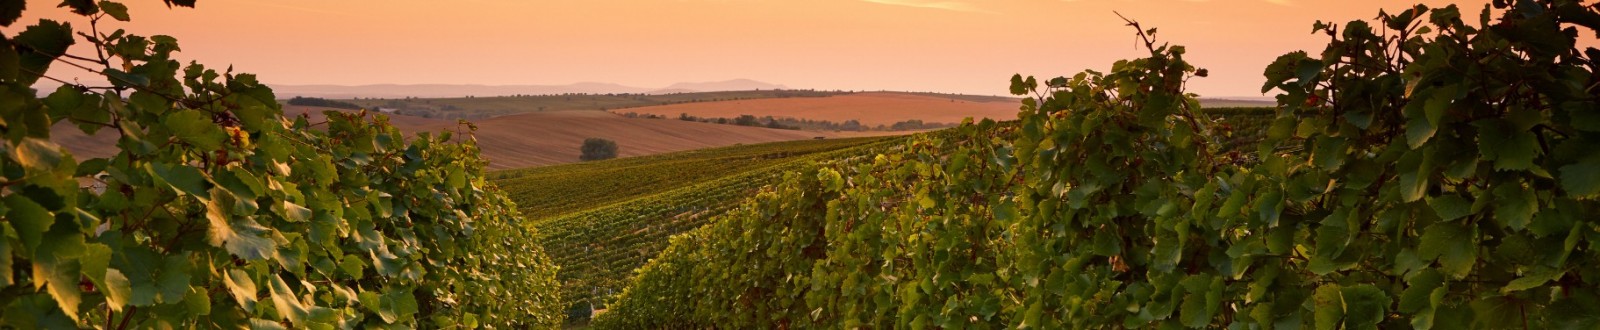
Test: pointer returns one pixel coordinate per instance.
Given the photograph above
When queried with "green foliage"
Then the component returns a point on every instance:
(597, 149)
(1420, 172)
(220, 212)
(551, 191)
(598, 248)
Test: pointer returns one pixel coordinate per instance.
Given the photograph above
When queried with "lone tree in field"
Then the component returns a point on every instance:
(598, 149)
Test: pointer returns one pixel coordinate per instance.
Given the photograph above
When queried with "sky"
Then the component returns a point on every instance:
(957, 46)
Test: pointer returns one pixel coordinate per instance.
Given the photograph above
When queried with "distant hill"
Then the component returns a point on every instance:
(1238, 102)
(464, 90)
(872, 108)
(485, 107)
(727, 85)
(517, 141)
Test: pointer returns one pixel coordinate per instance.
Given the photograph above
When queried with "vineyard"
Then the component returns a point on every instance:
(602, 220)
(599, 243)
(1421, 172)
(549, 191)
(1432, 169)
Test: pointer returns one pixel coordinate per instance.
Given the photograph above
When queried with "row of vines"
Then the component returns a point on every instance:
(218, 211)
(598, 249)
(1421, 172)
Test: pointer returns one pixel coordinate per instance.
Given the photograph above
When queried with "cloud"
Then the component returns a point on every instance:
(1281, 2)
(943, 5)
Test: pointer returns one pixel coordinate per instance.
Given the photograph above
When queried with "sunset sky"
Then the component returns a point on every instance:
(970, 46)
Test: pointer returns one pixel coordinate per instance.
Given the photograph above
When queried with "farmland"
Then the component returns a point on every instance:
(485, 107)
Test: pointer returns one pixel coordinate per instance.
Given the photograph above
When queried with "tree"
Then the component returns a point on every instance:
(598, 149)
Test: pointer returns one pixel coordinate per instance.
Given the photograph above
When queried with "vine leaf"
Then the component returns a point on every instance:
(184, 179)
(242, 236)
(1582, 180)
(41, 44)
(1452, 245)
(10, 11)
(116, 10)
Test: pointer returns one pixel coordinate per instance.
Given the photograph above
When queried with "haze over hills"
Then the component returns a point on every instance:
(474, 90)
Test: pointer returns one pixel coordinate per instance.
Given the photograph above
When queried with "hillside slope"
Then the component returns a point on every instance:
(534, 139)
(607, 218)
(878, 108)
(553, 138)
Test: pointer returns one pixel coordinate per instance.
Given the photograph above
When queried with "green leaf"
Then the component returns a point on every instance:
(118, 290)
(1450, 207)
(29, 219)
(91, 167)
(182, 178)
(1508, 147)
(1533, 278)
(1582, 180)
(1281, 128)
(10, 11)
(116, 10)
(242, 236)
(7, 273)
(294, 212)
(172, 283)
(43, 42)
(1328, 302)
(1453, 245)
(62, 277)
(1496, 312)
(36, 312)
(1419, 131)
(1439, 101)
(195, 128)
(284, 299)
(1329, 153)
(1412, 186)
(242, 287)
(95, 260)
(1514, 205)
(1415, 298)
(1193, 313)
(81, 7)
(140, 267)
(39, 156)
(198, 301)
(1107, 243)
(1365, 306)
(180, 3)
(1576, 310)
(352, 266)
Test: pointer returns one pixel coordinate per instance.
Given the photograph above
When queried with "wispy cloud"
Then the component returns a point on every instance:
(942, 5)
(1281, 2)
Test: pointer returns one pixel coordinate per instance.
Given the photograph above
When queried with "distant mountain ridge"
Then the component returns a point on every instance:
(461, 90)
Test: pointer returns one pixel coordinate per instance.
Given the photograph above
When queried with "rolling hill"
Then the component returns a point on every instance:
(461, 90)
(603, 219)
(873, 108)
(526, 140)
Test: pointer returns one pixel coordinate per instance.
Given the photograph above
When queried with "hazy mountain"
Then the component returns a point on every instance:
(461, 90)
(727, 85)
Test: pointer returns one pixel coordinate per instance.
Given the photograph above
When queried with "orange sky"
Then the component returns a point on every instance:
(966, 46)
